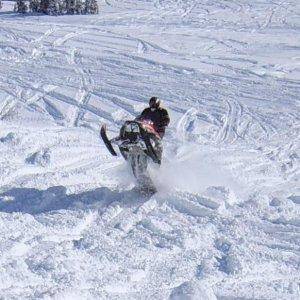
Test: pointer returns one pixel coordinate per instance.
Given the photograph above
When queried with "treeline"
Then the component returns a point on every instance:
(57, 7)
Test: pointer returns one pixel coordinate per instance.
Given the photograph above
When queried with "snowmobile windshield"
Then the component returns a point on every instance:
(132, 127)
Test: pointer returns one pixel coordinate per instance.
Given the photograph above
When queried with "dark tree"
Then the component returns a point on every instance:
(44, 5)
(21, 7)
(91, 7)
(58, 7)
(35, 6)
(79, 7)
(70, 7)
(53, 8)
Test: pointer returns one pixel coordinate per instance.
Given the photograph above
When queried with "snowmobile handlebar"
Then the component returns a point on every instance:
(148, 125)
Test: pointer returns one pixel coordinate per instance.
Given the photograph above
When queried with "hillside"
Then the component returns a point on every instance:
(225, 223)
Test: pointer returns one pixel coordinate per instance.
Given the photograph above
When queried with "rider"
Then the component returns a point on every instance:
(158, 115)
(160, 118)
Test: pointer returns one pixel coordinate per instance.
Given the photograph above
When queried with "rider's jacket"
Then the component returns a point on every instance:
(159, 117)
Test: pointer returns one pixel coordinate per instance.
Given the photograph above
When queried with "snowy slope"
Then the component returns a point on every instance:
(225, 223)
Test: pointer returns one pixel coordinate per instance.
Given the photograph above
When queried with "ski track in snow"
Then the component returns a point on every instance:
(225, 221)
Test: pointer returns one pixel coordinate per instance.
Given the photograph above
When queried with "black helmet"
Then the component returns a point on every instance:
(154, 102)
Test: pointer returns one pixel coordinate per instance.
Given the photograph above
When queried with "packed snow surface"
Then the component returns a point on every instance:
(225, 223)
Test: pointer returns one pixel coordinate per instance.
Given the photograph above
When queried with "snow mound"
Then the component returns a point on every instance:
(192, 290)
(10, 138)
(295, 199)
(229, 261)
(40, 158)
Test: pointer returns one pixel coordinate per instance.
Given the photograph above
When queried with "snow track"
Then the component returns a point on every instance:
(225, 221)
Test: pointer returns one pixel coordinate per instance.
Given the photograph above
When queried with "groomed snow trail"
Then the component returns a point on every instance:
(225, 222)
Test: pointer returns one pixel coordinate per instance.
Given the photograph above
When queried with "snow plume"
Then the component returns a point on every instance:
(194, 172)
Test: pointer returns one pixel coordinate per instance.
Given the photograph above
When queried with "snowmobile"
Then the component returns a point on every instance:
(138, 143)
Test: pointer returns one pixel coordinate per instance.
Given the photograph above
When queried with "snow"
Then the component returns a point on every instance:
(225, 221)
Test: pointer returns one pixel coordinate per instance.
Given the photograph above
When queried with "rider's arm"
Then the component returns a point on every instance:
(142, 115)
(165, 119)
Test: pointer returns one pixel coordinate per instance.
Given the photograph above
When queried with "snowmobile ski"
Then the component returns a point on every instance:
(107, 141)
(150, 149)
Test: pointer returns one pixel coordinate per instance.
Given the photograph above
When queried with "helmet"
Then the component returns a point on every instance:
(154, 102)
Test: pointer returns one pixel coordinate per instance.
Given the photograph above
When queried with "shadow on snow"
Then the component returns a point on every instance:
(34, 201)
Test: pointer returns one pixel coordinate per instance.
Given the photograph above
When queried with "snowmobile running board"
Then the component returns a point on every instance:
(107, 141)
